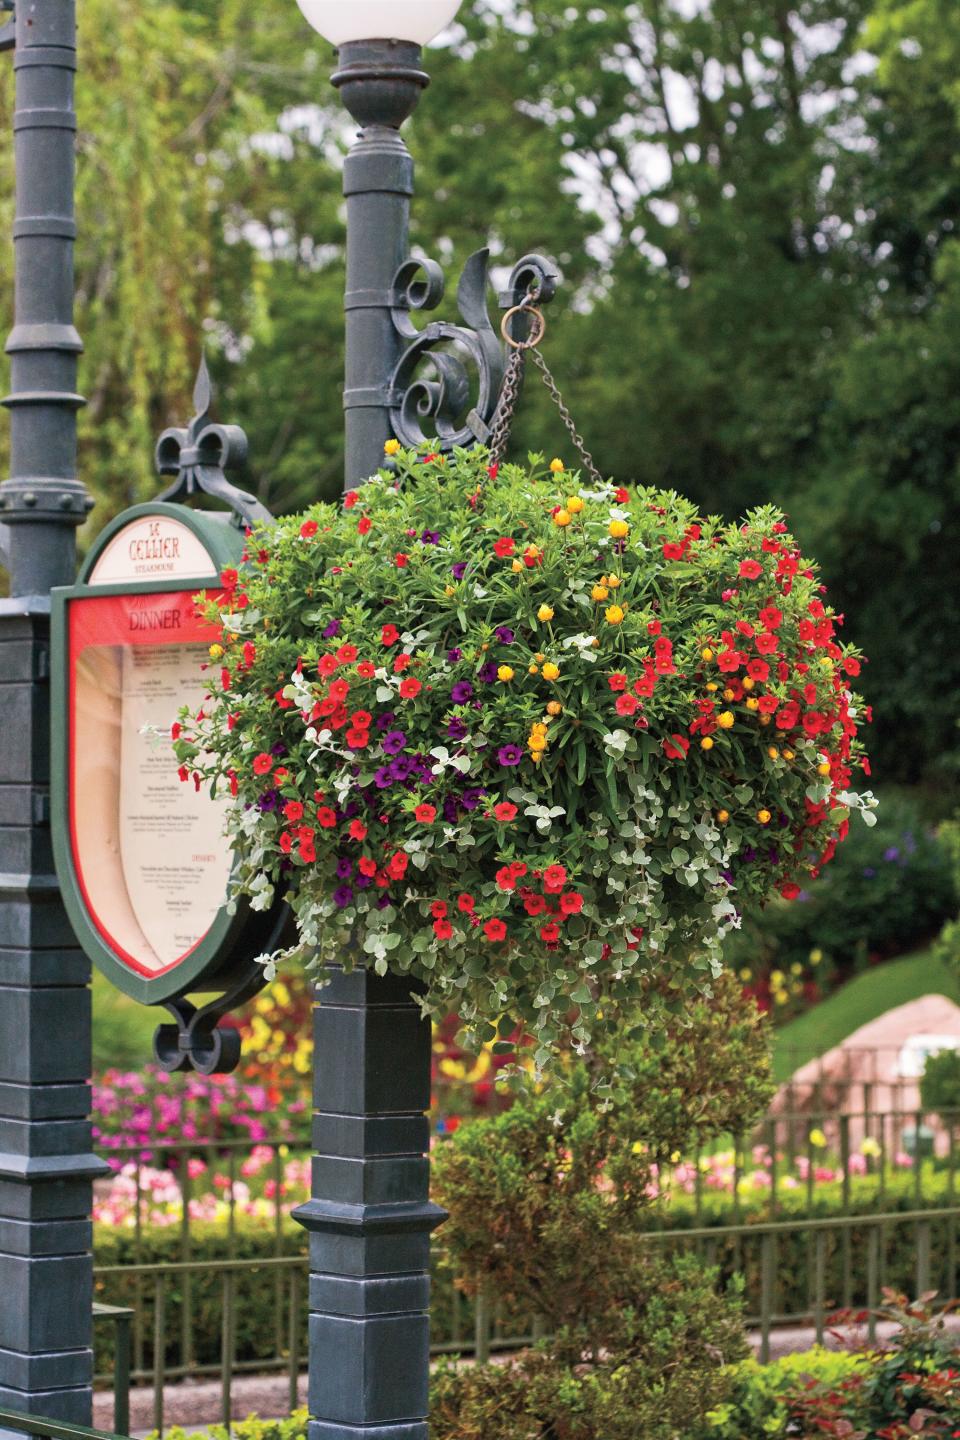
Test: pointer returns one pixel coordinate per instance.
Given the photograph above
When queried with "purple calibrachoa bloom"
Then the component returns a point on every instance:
(344, 868)
(461, 692)
(471, 798)
(453, 656)
(456, 729)
(487, 673)
(510, 755)
(383, 779)
(504, 634)
(268, 802)
(459, 570)
(332, 630)
(394, 742)
(401, 767)
(430, 537)
(385, 721)
(343, 895)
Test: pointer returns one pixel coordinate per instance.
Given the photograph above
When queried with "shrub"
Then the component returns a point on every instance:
(525, 741)
(940, 1085)
(758, 1406)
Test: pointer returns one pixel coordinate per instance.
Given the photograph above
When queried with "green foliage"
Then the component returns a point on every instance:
(556, 764)
(539, 1194)
(760, 1396)
(889, 889)
(940, 1084)
(294, 1427)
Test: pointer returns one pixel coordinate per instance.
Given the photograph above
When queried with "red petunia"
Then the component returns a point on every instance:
(293, 810)
(766, 643)
(426, 814)
(550, 933)
(626, 705)
(672, 551)
(229, 579)
(397, 865)
(263, 764)
(339, 690)
(617, 682)
(402, 662)
(675, 747)
(465, 904)
(326, 818)
(495, 930)
(366, 670)
(308, 529)
(358, 831)
(750, 569)
(389, 635)
(622, 495)
(534, 904)
(439, 909)
(350, 499)
(790, 891)
(851, 665)
(366, 866)
(571, 903)
(410, 688)
(286, 843)
(554, 878)
(358, 739)
(771, 618)
(505, 812)
(400, 560)
(442, 929)
(364, 525)
(505, 878)
(504, 547)
(347, 654)
(758, 670)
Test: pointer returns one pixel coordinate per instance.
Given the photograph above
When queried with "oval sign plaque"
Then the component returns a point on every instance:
(142, 861)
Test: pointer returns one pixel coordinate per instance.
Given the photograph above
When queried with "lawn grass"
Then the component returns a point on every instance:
(122, 1029)
(865, 998)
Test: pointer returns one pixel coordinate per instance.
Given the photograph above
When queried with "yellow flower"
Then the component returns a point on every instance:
(600, 592)
(532, 550)
(215, 652)
(870, 1147)
(796, 968)
(675, 1157)
(517, 567)
(748, 684)
(557, 466)
(574, 504)
(538, 728)
(766, 719)
(551, 671)
(537, 743)
(726, 720)
(777, 978)
(706, 743)
(753, 705)
(746, 973)
(706, 653)
(562, 517)
(505, 673)
(788, 754)
(817, 1139)
(392, 447)
(613, 581)
(728, 694)
(764, 817)
(554, 708)
(539, 658)
(614, 615)
(544, 614)
(723, 816)
(712, 687)
(449, 591)
(781, 997)
(773, 752)
(816, 957)
(533, 670)
(619, 529)
(823, 768)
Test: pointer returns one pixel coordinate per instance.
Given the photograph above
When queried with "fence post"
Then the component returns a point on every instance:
(46, 1168)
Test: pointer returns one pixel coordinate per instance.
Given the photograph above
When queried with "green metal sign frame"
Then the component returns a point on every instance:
(224, 957)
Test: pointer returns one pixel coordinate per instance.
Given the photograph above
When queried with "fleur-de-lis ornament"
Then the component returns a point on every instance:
(200, 456)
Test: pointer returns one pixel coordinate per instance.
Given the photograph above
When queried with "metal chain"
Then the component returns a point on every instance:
(510, 394)
(567, 418)
(506, 407)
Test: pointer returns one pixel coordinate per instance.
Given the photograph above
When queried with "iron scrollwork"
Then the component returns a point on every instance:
(201, 455)
(438, 405)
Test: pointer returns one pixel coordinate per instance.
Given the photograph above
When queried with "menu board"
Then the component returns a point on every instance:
(150, 856)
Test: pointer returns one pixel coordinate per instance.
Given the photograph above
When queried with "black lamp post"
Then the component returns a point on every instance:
(46, 1168)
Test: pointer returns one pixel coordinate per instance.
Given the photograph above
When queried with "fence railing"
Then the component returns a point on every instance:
(50, 1429)
(752, 1207)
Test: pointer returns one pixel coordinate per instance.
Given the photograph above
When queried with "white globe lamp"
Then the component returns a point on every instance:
(343, 21)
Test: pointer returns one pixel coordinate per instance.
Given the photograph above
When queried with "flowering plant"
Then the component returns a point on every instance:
(522, 739)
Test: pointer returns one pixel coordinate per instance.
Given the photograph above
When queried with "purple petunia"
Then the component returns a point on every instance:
(504, 634)
(510, 755)
(459, 570)
(363, 881)
(332, 630)
(487, 673)
(456, 729)
(471, 798)
(343, 895)
(268, 801)
(394, 742)
(430, 537)
(385, 721)
(461, 692)
(383, 779)
(450, 809)
(278, 750)
(453, 656)
(400, 768)
(344, 868)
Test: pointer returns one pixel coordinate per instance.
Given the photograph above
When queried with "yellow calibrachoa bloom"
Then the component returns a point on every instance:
(505, 673)
(551, 671)
(773, 752)
(539, 657)
(619, 529)
(533, 669)
(726, 720)
(764, 817)
(817, 1139)
(712, 687)
(753, 704)
(748, 684)
(545, 614)
(599, 592)
(824, 767)
(554, 708)
(788, 754)
(728, 694)
(723, 816)
(537, 742)
(706, 653)
(870, 1147)
(613, 581)
(706, 743)
(215, 652)
(392, 447)
(517, 567)
(557, 466)
(449, 590)
(574, 504)
(614, 615)
(562, 518)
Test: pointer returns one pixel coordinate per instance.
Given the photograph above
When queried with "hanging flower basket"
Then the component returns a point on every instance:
(525, 740)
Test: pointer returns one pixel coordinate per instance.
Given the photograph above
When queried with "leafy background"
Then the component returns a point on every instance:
(754, 203)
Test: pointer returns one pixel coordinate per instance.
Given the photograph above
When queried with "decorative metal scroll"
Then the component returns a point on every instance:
(194, 1041)
(200, 455)
(437, 404)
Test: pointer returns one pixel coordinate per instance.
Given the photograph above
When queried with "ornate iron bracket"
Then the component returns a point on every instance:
(200, 455)
(195, 1042)
(439, 404)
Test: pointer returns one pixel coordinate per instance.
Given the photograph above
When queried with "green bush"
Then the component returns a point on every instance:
(889, 889)
(758, 1403)
(940, 1086)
